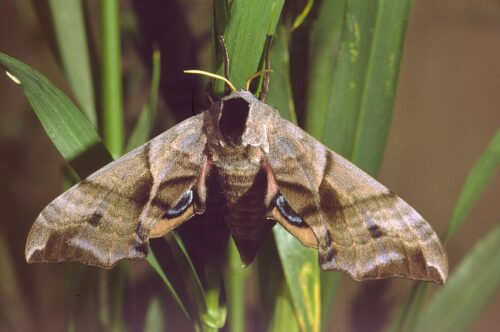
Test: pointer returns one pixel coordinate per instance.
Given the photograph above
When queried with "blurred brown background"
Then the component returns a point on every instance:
(447, 110)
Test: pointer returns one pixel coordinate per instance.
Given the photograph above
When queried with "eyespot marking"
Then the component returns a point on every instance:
(287, 212)
(181, 207)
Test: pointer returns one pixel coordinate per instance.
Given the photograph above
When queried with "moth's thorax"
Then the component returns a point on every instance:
(237, 123)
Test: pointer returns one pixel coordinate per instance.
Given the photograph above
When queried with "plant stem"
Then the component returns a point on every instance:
(113, 128)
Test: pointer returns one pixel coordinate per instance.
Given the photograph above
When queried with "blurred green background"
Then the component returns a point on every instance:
(447, 110)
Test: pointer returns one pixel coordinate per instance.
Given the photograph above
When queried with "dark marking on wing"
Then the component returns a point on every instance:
(295, 187)
(140, 196)
(95, 218)
(375, 231)
(93, 186)
(143, 187)
(327, 256)
(184, 203)
(160, 203)
(142, 248)
(327, 240)
(287, 212)
(180, 180)
(418, 258)
(139, 230)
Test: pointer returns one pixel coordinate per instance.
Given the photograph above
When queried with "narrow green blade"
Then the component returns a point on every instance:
(356, 48)
(151, 258)
(144, 125)
(283, 311)
(72, 134)
(459, 303)
(325, 43)
(477, 180)
(280, 92)
(245, 36)
(350, 107)
(155, 319)
(70, 131)
(71, 36)
(301, 270)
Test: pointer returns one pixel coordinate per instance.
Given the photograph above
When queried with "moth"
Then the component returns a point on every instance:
(259, 170)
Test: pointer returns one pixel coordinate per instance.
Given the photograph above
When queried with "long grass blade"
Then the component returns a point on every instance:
(477, 180)
(356, 49)
(144, 126)
(283, 311)
(72, 134)
(457, 305)
(71, 37)
(155, 319)
(70, 131)
(245, 35)
(151, 258)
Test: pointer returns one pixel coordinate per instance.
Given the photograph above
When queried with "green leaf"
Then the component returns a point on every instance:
(475, 184)
(283, 311)
(13, 306)
(236, 275)
(360, 101)
(245, 35)
(356, 49)
(405, 318)
(73, 135)
(151, 258)
(70, 131)
(144, 125)
(325, 43)
(71, 36)
(459, 303)
(330, 283)
(302, 275)
(155, 321)
(280, 93)
(477, 180)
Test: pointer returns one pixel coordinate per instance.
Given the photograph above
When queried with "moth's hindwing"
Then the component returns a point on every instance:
(112, 214)
(360, 226)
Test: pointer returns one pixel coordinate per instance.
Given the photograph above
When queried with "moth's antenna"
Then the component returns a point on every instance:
(257, 74)
(267, 66)
(206, 73)
(225, 54)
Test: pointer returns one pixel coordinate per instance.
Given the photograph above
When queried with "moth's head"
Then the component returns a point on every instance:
(242, 120)
(239, 119)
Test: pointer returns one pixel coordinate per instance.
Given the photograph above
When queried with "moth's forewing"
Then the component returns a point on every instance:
(361, 227)
(110, 215)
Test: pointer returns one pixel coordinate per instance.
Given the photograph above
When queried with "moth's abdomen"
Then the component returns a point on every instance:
(242, 198)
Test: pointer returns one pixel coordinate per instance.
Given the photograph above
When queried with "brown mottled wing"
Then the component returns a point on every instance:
(109, 216)
(361, 227)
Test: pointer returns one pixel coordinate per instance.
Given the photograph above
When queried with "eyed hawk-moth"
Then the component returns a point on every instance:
(266, 171)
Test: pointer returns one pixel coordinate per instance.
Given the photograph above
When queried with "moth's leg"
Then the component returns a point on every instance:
(267, 65)
(192, 202)
(225, 58)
